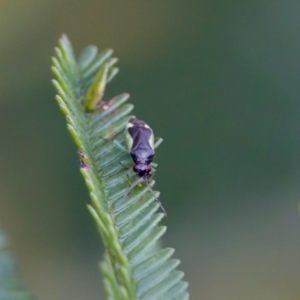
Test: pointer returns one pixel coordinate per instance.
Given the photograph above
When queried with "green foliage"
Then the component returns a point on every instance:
(134, 267)
(10, 286)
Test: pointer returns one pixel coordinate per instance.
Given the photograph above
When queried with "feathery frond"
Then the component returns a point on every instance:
(133, 266)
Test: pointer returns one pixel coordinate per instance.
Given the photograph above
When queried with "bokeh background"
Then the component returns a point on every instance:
(219, 81)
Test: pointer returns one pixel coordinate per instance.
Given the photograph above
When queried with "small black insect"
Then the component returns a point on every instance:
(140, 142)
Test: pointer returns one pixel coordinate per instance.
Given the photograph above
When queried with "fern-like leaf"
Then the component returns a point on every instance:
(133, 267)
(10, 286)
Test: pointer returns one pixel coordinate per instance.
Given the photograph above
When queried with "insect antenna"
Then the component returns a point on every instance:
(151, 190)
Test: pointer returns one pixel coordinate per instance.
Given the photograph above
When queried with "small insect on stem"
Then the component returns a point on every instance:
(140, 142)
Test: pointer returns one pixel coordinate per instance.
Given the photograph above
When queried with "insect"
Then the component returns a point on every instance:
(140, 143)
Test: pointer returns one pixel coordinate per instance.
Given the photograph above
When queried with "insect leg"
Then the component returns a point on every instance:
(126, 163)
(120, 146)
(158, 142)
(133, 186)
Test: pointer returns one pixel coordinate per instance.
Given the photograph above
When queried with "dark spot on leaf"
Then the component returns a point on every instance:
(84, 165)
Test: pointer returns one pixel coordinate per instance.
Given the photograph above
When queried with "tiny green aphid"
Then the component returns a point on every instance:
(140, 142)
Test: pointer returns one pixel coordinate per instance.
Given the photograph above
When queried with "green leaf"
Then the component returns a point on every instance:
(134, 266)
(10, 286)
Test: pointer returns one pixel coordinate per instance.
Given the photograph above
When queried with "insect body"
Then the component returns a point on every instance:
(140, 142)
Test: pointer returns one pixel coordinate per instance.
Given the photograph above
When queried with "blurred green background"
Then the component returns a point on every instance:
(219, 81)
